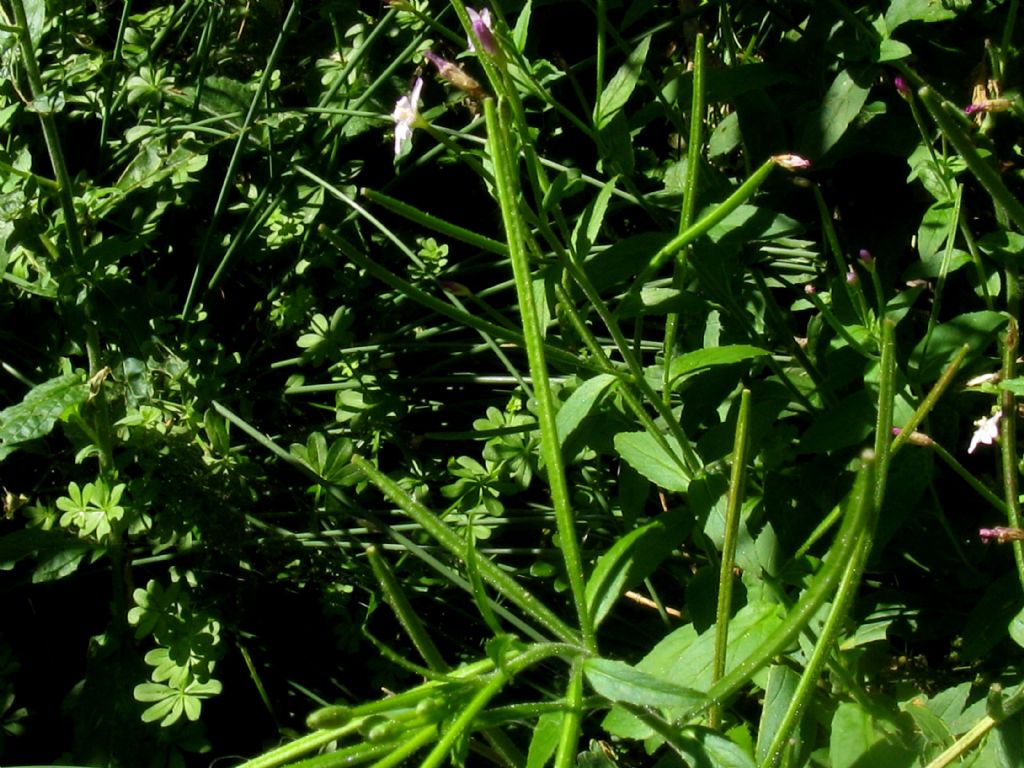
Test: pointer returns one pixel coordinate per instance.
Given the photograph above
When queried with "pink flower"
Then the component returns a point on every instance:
(455, 75)
(988, 105)
(1000, 534)
(901, 86)
(407, 115)
(482, 30)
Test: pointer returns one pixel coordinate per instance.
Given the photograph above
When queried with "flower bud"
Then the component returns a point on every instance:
(792, 162)
(482, 31)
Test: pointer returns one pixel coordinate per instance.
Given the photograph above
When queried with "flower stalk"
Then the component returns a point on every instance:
(506, 183)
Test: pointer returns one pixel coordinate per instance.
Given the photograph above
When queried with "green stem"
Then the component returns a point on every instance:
(741, 443)
(51, 137)
(845, 592)
(506, 184)
(930, 399)
(886, 403)
(983, 490)
(467, 715)
(689, 207)
(568, 740)
(947, 257)
(974, 735)
(1008, 439)
(979, 166)
(407, 617)
(854, 568)
(407, 747)
(453, 231)
(292, 751)
(743, 193)
(491, 573)
(420, 296)
(834, 248)
(236, 156)
(847, 543)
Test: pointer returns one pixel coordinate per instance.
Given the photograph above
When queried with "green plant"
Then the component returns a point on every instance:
(570, 426)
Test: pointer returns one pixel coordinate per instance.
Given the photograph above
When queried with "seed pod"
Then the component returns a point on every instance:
(329, 717)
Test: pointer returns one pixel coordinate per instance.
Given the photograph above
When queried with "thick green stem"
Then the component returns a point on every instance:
(743, 193)
(741, 442)
(854, 568)
(689, 207)
(568, 740)
(506, 184)
(1008, 441)
(848, 541)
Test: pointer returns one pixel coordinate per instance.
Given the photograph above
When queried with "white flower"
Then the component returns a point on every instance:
(987, 431)
(407, 115)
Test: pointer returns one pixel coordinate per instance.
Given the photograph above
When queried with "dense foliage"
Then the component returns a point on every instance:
(554, 382)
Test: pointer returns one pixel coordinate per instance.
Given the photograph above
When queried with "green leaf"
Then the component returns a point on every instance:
(849, 423)
(1017, 628)
(902, 11)
(931, 234)
(704, 747)
(646, 455)
(580, 403)
(625, 258)
(858, 739)
(706, 358)
(35, 13)
(629, 560)
(522, 26)
(544, 740)
(685, 659)
(931, 727)
(976, 329)
(615, 96)
(43, 405)
(782, 684)
(588, 226)
(892, 50)
(54, 547)
(619, 682)
(842, 103)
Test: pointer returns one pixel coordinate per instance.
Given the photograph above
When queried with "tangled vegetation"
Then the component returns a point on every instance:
(589, 384)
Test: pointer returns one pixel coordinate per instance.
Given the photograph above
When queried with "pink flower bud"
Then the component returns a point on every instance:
(792, 162)
(482, 31)
(1000, 534)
